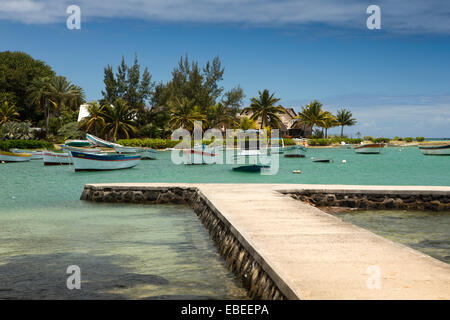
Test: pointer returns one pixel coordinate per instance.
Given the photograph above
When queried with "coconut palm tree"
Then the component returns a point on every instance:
(184, 114)
(8, 113)
(61, 91)
(264, 107)
(311, 115)
(96, 118)
(344, 118)
(39, 94)
(220, 116)
(327, 121)
(119, 120)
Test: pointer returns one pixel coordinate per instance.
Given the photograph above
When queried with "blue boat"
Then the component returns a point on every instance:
(83, 161)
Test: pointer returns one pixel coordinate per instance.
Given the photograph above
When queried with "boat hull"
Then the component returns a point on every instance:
(35, 155)
(194, 156)
(436, 150)
(14, 157)
(56, 159)
(374, 148)
(145, 153)
(100, 142)
(250, 168)
(102, 162)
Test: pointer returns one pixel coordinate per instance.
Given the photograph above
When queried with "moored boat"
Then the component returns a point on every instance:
(251, 155)
(199, 154)
(370, 148)
(35, 155)
(56, 158)
(100, 142)
(99, 162)
(6, 156)
(436, 150)
(145, 153)
(294, 152)
(78, 143)
(87, 150)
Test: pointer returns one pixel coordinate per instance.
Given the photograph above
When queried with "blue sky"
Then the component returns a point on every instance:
(395, 80)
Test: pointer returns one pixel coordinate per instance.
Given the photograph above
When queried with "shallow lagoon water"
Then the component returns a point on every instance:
(425, 231)
(133, 251)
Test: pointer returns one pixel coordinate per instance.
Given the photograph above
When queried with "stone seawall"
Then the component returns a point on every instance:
(402, 200)
(255, 275)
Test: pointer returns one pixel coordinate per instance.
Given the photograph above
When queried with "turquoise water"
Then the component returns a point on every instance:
(424, 231)
(123, 252)
(132, 251)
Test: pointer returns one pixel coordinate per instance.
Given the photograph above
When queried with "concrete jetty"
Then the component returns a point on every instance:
(300, 251)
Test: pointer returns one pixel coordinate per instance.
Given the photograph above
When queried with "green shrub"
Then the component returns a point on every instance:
(288, 142)
(368, 138)
(16, 130)
(408, 139)
(150, 143)
(381, 140)
(319, 142)
(25, 144)
(71, 130)
(420, 139)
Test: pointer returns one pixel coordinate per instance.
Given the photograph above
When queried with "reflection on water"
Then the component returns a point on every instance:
(424, 231)
(123, 251)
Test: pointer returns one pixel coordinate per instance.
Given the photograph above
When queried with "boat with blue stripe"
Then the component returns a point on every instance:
(83, 161)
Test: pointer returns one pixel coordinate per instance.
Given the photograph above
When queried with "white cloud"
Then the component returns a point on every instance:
(398, 16)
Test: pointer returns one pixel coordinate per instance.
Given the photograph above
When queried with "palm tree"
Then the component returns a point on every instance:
(220, 116)
(327, 121)
(8, 113)
(119, 120)
(184, 114)
(264, 107)
(96, 118)
(312, 114)
(39, 94)
(344, 118)
(61, 91)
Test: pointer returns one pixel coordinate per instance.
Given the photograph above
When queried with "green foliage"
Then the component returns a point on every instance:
(408, 139)
(17, 72)
(8, 113)
(25, 144)
(420, 139)
(288, 142)
(397, 138)
(381, 140)
(319, 142)
(246, 124)
(151, 143)
(368, 138)
(71, 130)
(128, 84)
(264, 107)
(16, 130)
(119, 120)
(344, 118)
(149, 131)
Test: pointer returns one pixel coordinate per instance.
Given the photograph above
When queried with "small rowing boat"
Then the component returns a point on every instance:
(98, 162)
(6, 156)
(370, 148)
(78, 143)
(35, 155)
(56, 158)
(436, 150)
(294, 152)
(199, 154)
(321, 160)
(100, 142)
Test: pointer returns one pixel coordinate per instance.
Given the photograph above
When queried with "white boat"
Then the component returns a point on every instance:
(56, 158)
(145, 153)
(100, 142)
(98, 162)
(87, 150)
(35, 155)
(436, 150)
(199, 154)
(251, 156)
(371, 148)
(6, 156)
(346, 145)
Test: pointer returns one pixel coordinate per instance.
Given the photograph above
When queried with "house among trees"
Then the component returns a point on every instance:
(289, 125)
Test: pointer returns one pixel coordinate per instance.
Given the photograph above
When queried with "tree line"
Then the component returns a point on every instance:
(133, 105)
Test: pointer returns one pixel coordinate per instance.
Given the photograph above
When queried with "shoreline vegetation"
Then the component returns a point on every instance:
(39, 109)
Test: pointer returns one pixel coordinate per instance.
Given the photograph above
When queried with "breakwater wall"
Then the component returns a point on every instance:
(374, 199)
(255, 274)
